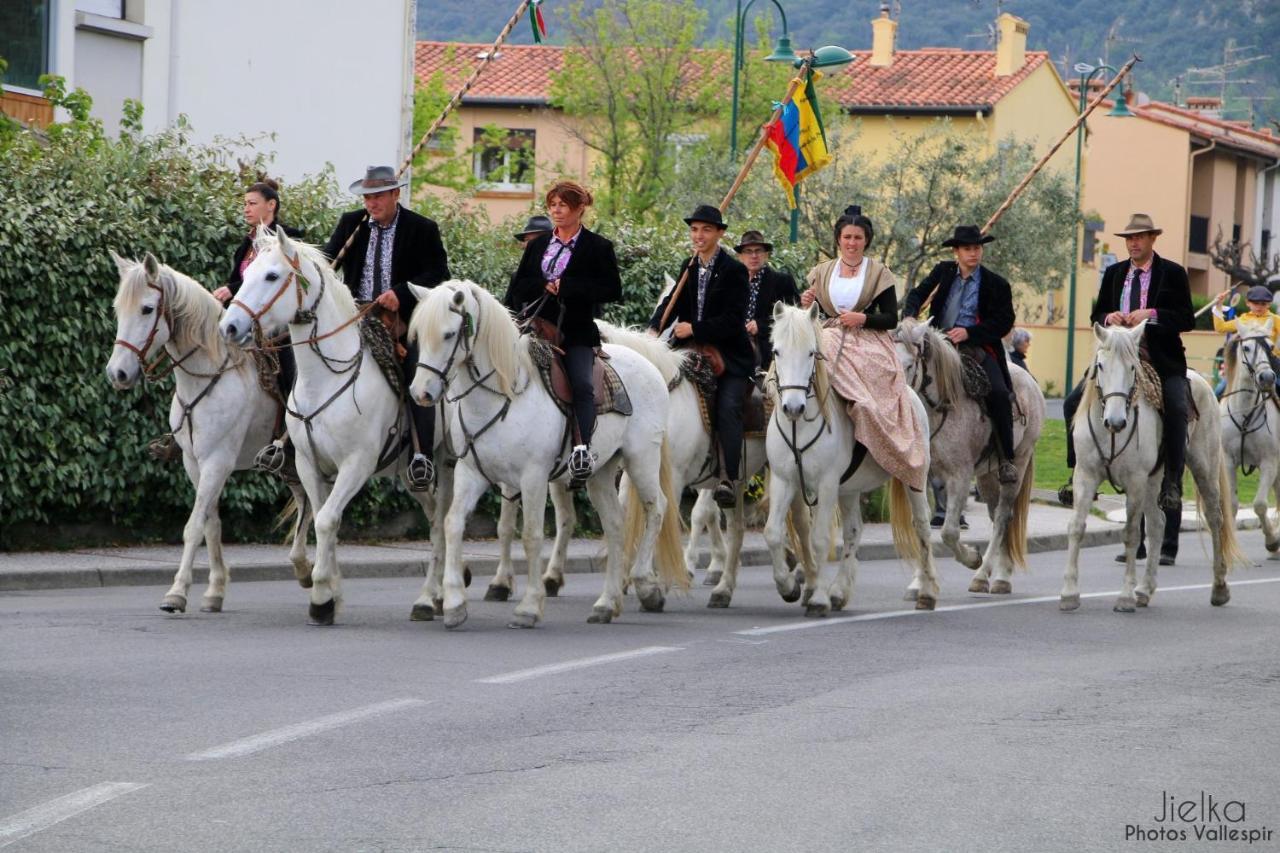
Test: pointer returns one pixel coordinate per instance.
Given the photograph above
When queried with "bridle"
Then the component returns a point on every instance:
(163, 311)
(920, 380)
(1255, 417)
(793, 441)
(1130, 409)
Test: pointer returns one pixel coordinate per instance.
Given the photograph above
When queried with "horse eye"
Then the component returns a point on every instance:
(272, 276)
(448, 336)
(777, 353)
(147, 309)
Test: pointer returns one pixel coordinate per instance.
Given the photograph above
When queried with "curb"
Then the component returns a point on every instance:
(161, 574)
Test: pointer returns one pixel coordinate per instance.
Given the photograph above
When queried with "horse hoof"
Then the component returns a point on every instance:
(911, 595)
(455, 617)
(1273, 547)
(797, 589)
(523, 620)
(719, 600)
(174, 604)
(1220, 595)
(1125, 604)
(979, 585)
(422, 613)
(651, 601)
(926, 602)
(838, 602)
(322, 614)
(552, 586)
(817, 611)
(1069, 602)
(466, 576)
(600, 616)
(497, 593)
(712, 578)
(305, 582)
(1141, 599)
(212, 604)
(1001, 587)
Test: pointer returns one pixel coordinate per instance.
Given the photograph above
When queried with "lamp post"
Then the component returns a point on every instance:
(1120, 110)
(782, 52)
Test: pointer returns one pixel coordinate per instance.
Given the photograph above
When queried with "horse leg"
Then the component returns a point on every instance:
(1136, 504)
(1267, 471)
(301, 526)
(736, 525)
(219, 574)
(1235, 492)
(208, 477)
(533, 496)
(819, 603)
(504, 578)
(609, 509)
(706, 514)
(1204, 463)
(1155, 535)
(996, 563)
(841, 590)
(957, 486)
(1083, 485)
(468, 486)
(924, 579)
(781, 494)
(326, 589)
(566, 521)
(643, 473)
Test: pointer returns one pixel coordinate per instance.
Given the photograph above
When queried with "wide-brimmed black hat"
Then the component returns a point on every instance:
(535, 225)
(1258, 293)
(377, 179)
(707, 213)
(753, 238)
(967, 235)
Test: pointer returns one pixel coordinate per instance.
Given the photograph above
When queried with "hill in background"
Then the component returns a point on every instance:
(1172, 36)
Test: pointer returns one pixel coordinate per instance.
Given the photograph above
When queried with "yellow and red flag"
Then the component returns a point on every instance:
(798, 140)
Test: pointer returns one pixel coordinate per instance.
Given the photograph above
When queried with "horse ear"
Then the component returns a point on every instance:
(1138, 330)
(420, 292)
(813, 310)
(1100, 332)
(122, 265)
(152, 266)
(779, 308)
(459, 298)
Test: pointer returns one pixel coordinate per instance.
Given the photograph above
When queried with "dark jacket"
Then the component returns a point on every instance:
(235, 279)
(995, 308)
(1169, 293)
(775, 286)
(590, 279)
(417, 256)
(724, 312)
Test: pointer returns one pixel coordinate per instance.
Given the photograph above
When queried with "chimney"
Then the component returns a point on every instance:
(884, 31)
(1206, 106)
(1011, 52)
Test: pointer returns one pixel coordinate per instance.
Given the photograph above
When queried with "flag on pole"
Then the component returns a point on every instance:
(798, 140)
(535, 21)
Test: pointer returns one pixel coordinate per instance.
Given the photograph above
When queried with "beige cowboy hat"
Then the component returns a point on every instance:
(377, 179)
(1139, 223)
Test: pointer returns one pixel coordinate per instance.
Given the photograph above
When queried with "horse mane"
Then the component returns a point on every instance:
(496, 333)
(195, 312)
(1119, 342)
(794, 328)
(1230, 361)
(948, 369)
(668, 361)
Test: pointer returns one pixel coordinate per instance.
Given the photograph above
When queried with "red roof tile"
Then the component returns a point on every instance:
(1226, 133)
(942, 78)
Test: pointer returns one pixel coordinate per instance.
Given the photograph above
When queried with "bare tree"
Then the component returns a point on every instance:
(1230, 257)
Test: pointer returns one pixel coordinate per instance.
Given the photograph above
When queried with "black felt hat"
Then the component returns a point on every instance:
(967, 235)
(707, 213)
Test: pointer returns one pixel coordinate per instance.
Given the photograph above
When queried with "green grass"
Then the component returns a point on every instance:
(1052, 471)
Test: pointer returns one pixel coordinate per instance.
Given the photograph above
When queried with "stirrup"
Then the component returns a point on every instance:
(1007, 472)
(725, 495)
(1067, 495)
(271, 458)
(165, 448)
(1171, 497)
(421, 473)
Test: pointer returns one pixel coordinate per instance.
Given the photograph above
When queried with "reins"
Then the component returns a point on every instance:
(793, 441)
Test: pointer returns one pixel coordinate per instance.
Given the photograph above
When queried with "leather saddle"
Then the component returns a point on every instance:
(755, 417)
(560, 386)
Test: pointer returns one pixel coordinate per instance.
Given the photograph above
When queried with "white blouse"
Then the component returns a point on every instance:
(845, 291)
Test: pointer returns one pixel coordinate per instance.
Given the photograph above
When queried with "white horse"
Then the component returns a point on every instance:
(1251, 426)
(507, 431)
(959, 437)
(693, 464)
(344, 420)
(220, 415)
(1117, 435)
(811, 444)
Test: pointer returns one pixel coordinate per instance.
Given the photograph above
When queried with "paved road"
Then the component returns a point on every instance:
(1001, 724)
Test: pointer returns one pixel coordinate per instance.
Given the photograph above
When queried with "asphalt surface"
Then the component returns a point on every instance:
(1002, 724)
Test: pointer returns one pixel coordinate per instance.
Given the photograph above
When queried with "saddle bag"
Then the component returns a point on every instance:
(713, 357)
(548, 331)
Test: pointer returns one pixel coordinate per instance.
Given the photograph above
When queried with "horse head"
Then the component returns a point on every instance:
(444, 327)
(910, 341)
(1115, 372)
(1253, 352)
(275, 288)
(144, 320)
(796, 350)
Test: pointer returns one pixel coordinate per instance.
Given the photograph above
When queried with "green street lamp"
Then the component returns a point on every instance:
(782, 52)
(1120, 110)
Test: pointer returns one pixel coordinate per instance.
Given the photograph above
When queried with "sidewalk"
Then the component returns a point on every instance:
(155, 565)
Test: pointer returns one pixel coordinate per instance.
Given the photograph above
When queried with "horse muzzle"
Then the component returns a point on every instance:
(793, 409)
(1116, 423)
(236, 331)
(1266, 380)
(123, 375)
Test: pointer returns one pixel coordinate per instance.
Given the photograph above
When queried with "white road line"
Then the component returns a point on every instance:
(42, 817)
(580, 663)
(297, 731)
(979, 605)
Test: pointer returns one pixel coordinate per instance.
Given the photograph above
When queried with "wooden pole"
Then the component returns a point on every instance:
(1214, 302)
(448, 108)
(742, 176)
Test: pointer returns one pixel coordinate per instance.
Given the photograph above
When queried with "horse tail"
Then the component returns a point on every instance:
(901, 522)
(291, 510)
(1015, 538)
(668, 554)
(1232, 554)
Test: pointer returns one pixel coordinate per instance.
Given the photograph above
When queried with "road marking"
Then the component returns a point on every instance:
(42, 817)
(297, 731)
(580, 663)
(978, 605)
